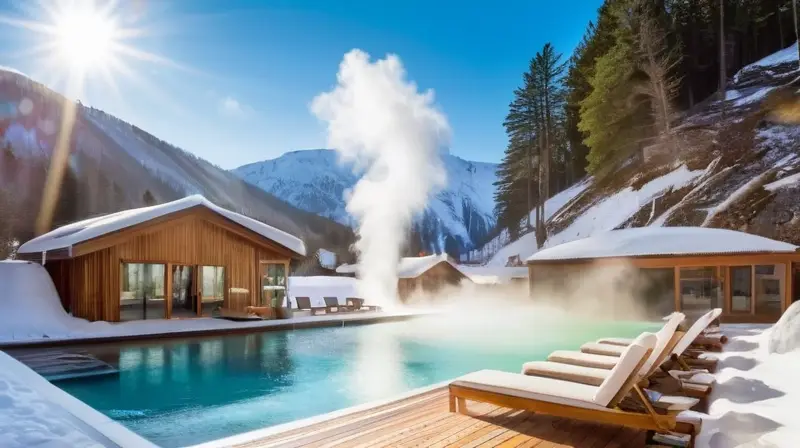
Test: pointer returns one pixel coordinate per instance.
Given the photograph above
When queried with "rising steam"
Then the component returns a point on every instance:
(392, 133)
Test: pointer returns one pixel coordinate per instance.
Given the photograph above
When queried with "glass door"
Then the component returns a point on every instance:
(142, 293)
(184, 297)
(273, 285)
(212, 289)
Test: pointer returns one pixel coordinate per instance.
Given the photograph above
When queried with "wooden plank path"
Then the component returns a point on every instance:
(424, 421)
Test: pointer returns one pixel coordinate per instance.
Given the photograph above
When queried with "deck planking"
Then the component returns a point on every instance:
(424, 421)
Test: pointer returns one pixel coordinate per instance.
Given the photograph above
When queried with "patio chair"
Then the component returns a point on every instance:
(304, 303)
(666, 340)
(679, 355)
(357, 304)
(598, 404)
(332, 305)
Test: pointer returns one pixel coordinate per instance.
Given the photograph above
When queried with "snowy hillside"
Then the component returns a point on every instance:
(114, 165)
(315, 181)
(741, 172)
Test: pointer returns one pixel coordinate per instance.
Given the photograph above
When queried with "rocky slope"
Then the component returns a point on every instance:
(735, 164)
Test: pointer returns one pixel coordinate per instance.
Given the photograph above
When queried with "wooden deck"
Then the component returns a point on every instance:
(424, 421)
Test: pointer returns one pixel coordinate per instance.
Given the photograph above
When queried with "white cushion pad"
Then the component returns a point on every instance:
(616, 341)
(532, 387)
(583, 359)
(602, 349)
(566, 372)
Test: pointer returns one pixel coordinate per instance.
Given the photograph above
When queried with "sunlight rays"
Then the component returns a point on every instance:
(74, 42)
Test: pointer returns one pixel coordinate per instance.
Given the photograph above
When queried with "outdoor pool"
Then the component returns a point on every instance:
(188, 391)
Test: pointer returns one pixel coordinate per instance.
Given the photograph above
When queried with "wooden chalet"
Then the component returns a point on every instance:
(186, 258)
(428, 274)
(687, 269)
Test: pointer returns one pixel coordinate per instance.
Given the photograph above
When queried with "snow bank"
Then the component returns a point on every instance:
(30, 306)
(758, 95)
(317, 288)
(33, 412)
(754, 403)
(77, 232)
(785, 335)
(644, 241)
(605, 215)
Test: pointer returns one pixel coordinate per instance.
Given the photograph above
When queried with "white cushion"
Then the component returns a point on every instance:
(602, 349)
(616, 341)
(532, 387)
(695, 330)
(675, 403)
(664, 335)
(627, 363)
(583, 359)
(566, 372)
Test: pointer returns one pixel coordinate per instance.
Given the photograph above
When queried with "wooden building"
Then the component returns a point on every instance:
(428, 274)
(185, 258)
(687, 269)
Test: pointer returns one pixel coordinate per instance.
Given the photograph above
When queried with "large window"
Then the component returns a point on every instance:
(213, 292)
(142, 295)
(741, 288)
(273, 284)
(701, 290)
(770, 281)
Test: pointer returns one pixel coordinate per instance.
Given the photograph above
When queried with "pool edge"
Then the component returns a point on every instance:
(105, 426)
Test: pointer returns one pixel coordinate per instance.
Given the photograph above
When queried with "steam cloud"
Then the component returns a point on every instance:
(380, 122)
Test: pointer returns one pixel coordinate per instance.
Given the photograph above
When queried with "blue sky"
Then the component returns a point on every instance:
(238, 76)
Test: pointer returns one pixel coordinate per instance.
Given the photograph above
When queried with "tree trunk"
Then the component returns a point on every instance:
(723, 77)
(796, 32)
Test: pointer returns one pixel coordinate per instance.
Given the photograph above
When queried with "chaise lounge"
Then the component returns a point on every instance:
(599, 404)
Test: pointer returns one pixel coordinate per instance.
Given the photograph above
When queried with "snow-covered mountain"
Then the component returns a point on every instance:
(114, 165)
(457, 218)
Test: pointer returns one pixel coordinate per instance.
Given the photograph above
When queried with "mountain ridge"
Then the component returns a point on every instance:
(458, 217)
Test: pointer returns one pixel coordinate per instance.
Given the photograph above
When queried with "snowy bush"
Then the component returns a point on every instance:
(785, 336)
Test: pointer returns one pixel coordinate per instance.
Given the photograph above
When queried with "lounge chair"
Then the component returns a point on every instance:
(332, 305)
(357, 304)
(566, 399)
(602, 355)
(708, 334)
(666, 340)
(304, 303)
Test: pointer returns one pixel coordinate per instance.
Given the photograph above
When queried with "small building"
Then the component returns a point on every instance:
(428, 274)
(185, 258)
(687, 269)
(496, 275)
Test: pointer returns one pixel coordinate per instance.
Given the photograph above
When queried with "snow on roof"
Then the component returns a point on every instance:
(646, 241)
(409, 267)
(78, 232)
(494, 274)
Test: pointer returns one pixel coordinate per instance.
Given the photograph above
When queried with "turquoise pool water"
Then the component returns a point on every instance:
(184, 392)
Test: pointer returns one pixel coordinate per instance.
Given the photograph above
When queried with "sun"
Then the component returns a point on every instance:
(86, 38)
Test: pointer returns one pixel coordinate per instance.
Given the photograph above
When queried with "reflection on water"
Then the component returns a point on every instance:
(183, 392)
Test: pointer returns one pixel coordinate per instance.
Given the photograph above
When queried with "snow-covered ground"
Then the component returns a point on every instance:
(786, 56)
(605, 215)
(754, 403)
(33, 412)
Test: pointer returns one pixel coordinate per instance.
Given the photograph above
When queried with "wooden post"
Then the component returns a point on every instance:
(788, 285)
(168, 291)
(753, 290)
(677, 288)
(727, 306)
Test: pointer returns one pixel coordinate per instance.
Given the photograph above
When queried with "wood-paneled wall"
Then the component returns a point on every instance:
(196, 239)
